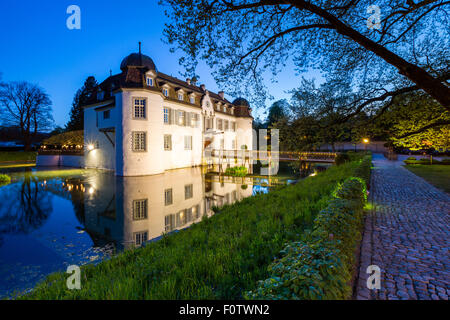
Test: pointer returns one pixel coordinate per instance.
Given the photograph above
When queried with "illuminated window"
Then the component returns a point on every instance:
(139, 209)
(194, 120)
(181, 118)
(140, 108)
(139, 141)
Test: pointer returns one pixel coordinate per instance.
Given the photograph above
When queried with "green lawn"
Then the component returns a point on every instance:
(17, 156)
(437, 175)
(218, 258)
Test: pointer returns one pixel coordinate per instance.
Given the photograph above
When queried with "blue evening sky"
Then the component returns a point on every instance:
(39, 48)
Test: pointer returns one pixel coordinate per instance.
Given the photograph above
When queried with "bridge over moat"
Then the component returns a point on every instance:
(262, 155)
(223, 159)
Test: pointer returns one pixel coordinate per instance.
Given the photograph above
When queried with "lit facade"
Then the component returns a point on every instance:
(143, 122)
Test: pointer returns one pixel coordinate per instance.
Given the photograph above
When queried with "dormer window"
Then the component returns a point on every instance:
(149, 82)
(224, 108)
(180, 97)
(166, 92)
(100, 95)
(192, 99)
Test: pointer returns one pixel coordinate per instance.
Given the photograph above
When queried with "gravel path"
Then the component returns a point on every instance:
(406, 235)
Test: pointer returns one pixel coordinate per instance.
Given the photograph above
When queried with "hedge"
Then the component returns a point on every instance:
(412, 160)
(320, 266)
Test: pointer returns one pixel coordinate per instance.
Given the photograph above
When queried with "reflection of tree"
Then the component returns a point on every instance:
(24, 207)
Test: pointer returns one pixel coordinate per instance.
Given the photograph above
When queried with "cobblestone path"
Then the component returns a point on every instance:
(407, 234)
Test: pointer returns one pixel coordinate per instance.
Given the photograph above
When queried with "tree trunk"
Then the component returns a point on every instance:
(434, 87)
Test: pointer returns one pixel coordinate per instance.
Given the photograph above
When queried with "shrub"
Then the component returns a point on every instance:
(220, 257)
(320, 267)
(353, 189)
(422, 161)
(310, 271)
(341, 158)
(342, 222)
(445, 161)
(236, 171)
(363, 170)
(411, 158)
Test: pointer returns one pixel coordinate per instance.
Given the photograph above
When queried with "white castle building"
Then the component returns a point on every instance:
(144, 122)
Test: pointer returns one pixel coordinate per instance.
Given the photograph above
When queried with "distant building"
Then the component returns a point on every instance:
(144, 122)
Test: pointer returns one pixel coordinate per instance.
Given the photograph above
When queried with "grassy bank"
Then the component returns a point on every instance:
(219, 258)
(437, 175)
(6, 156)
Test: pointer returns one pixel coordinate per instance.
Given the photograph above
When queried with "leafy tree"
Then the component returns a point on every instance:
(27, 107)
(241, 39)
(414, 121)
(277, 111)
(82, 98)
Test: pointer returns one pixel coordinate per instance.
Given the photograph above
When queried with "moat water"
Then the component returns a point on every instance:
(53, 218)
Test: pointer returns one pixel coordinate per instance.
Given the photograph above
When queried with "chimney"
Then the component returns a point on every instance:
(203, 87)
(221, 94)
(188, 81)
(140, 54)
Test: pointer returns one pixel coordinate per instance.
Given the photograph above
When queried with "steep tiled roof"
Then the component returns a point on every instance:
(134, 76)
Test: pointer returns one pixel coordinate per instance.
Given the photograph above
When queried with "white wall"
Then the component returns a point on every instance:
(179, 157)
(104, 156)
(155, 160)
(130, 163)
(60, 160)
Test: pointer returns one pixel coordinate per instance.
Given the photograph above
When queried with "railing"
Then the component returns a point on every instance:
(61, 152)
(274, 155)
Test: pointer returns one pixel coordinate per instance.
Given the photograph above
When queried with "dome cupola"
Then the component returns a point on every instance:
(138, 60)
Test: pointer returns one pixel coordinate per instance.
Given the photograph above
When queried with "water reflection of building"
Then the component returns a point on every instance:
(131, 210)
